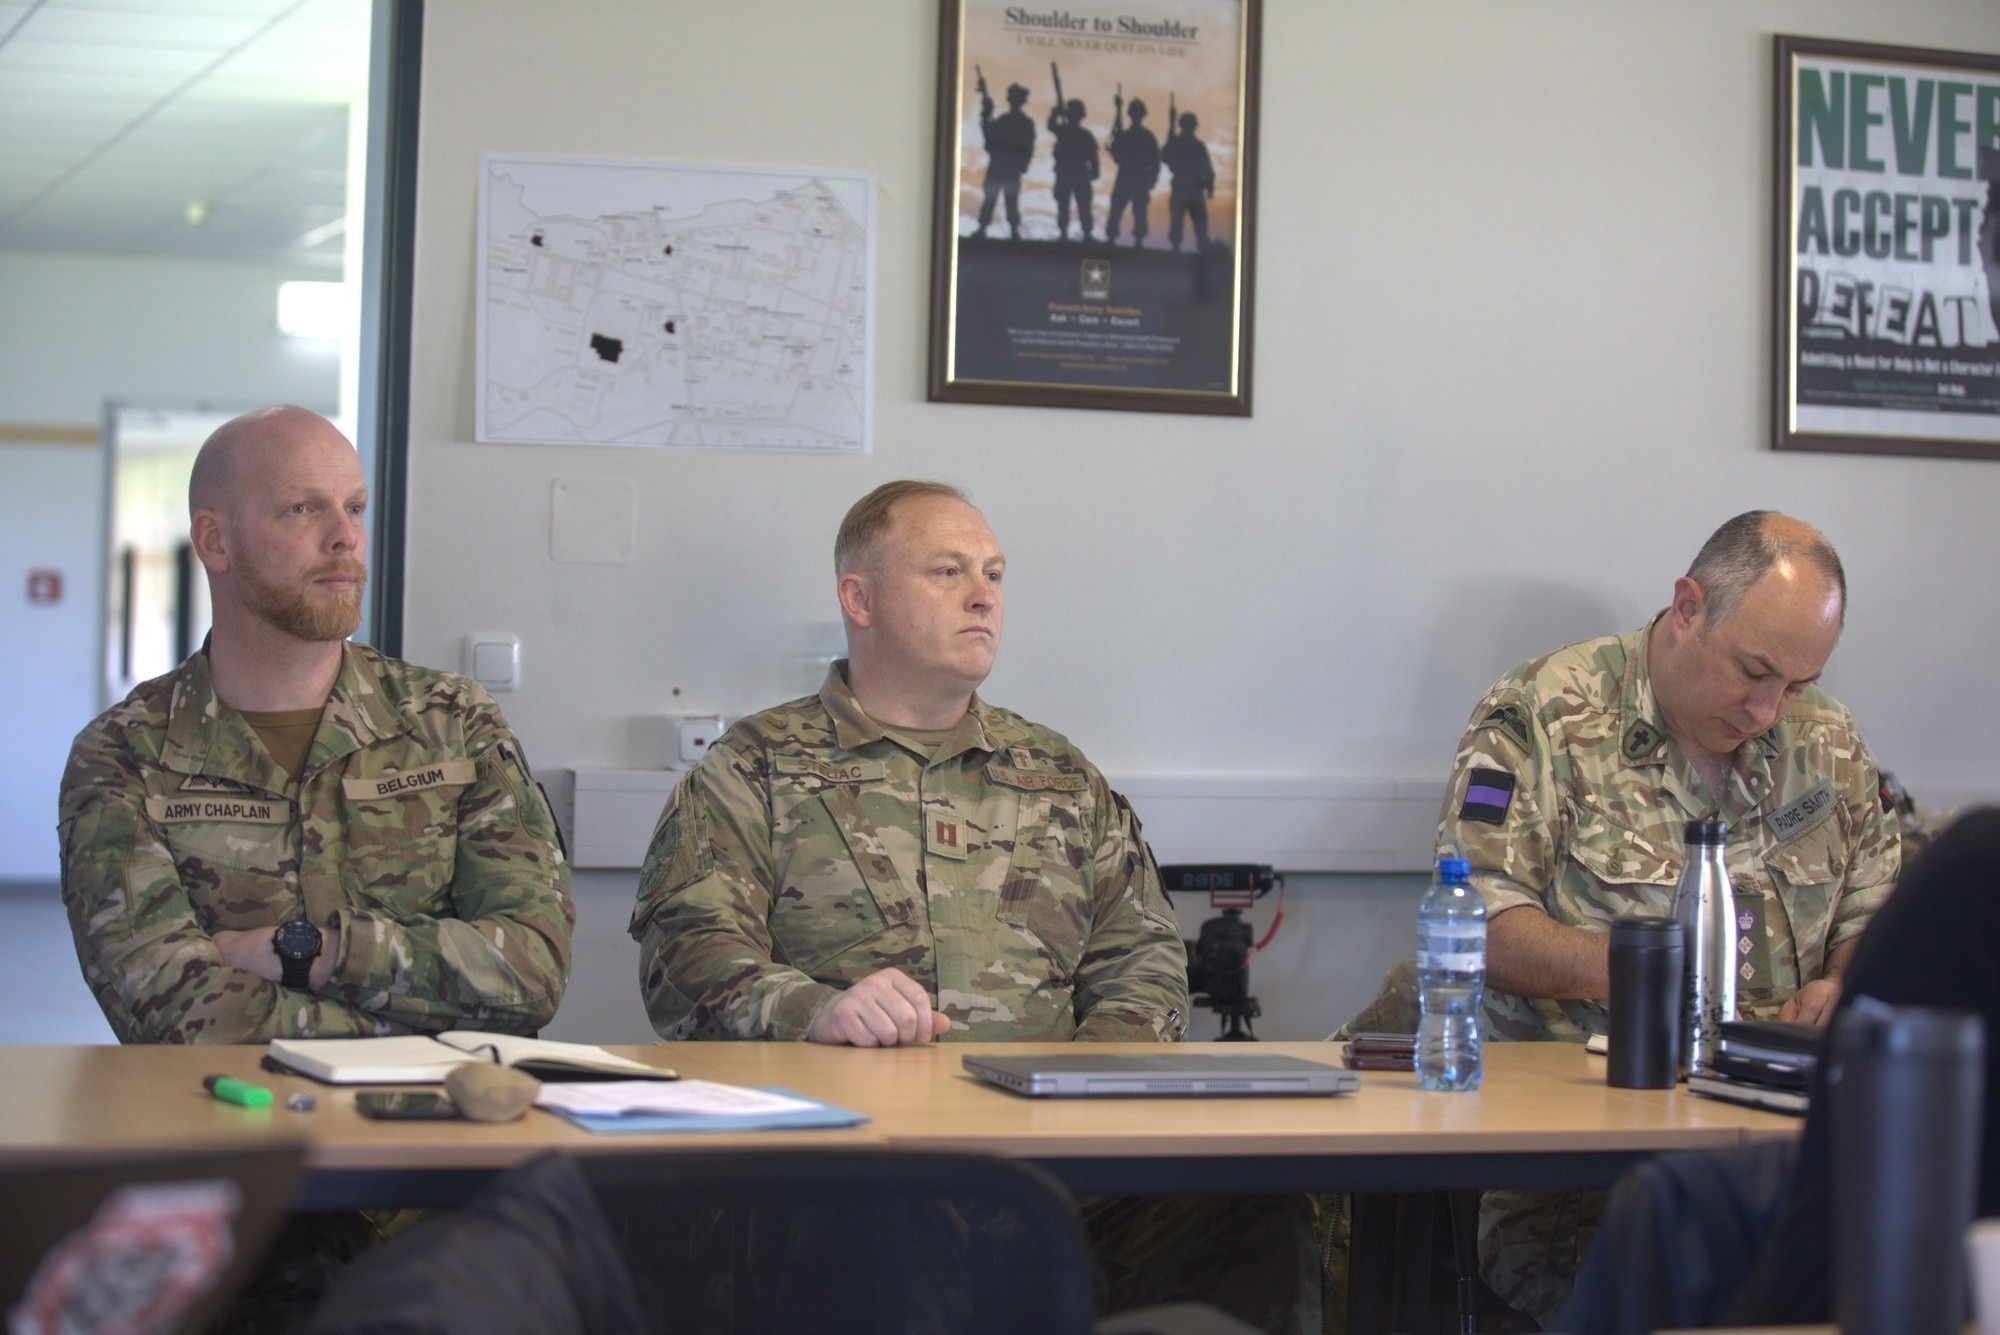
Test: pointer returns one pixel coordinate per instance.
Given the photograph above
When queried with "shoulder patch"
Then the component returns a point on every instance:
(1488, 794)
(1510, 718)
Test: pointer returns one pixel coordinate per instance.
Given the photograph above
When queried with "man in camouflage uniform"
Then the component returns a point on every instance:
(894, 860)
(399, 842)
(1569, 794)
(282, 784)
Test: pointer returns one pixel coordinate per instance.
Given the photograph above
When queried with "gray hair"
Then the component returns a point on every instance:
(1743, 551)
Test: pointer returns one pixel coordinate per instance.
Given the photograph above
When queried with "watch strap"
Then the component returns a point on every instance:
(297, 972)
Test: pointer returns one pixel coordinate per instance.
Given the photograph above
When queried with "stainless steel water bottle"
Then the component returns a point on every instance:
(1706, 909)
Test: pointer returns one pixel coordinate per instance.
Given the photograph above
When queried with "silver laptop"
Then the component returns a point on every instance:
(1167, 1074)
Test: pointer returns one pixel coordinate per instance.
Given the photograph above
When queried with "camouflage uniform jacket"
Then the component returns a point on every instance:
(1568, 795)
(414, 826)
(810, 848)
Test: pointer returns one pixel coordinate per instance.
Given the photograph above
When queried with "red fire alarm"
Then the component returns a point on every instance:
(45, 586)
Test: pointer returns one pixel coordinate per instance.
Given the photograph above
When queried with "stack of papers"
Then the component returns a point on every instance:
(688, 1105)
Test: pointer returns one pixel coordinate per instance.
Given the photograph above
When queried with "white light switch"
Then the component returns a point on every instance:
(693, 735)
(493, 660)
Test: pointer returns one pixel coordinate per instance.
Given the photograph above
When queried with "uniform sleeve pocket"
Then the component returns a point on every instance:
(1045, 893)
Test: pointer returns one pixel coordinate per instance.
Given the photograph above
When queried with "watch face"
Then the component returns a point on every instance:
(298, 940)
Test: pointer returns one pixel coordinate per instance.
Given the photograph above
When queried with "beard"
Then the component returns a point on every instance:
(305, 611)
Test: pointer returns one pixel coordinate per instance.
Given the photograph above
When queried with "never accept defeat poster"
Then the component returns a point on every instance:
(1092, 228)
(1890, 164)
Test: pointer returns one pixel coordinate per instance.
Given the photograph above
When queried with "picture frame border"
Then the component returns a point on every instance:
(1786, 48)
(944, 388)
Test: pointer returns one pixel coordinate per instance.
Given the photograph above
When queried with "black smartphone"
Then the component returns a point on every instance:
(405, 1107)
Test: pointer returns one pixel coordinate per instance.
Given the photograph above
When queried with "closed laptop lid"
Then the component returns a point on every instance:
(1168, 1072)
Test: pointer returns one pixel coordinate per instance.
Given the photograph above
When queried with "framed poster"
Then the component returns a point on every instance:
(1887, 293)
(1096, 198)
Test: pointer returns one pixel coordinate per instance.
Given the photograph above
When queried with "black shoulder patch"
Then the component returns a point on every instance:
(1488, 794)
(1511, 719)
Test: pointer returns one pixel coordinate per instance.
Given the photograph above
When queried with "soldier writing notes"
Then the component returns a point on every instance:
(1573, 782)
(291, 835)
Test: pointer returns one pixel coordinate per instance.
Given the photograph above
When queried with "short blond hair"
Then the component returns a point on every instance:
(871, 517)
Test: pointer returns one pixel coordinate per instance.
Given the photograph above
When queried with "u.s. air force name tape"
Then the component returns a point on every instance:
(445, 774)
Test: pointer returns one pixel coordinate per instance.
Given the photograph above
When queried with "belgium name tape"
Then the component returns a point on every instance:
(446, 774)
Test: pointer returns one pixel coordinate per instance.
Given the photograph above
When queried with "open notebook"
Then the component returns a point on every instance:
(425, 1059)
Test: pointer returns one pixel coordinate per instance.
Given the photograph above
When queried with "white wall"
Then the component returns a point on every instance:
(1511, 367)
(51, 515)
(76, 330)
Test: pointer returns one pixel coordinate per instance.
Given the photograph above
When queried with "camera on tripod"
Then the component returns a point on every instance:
(1219, 957)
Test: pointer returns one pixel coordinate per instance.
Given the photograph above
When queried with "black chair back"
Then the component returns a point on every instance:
(846, 1240)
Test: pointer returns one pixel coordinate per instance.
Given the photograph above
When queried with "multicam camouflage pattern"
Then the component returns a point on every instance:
(414, 827)
(1532, 1244)
(1601, 793)
(811, 848)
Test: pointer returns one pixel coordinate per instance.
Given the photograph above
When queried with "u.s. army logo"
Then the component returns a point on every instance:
(1097, 280)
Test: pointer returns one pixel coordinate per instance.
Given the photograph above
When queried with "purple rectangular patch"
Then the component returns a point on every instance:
(1488, 793)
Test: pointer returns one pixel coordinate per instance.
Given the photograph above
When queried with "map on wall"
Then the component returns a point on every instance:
(643, 303)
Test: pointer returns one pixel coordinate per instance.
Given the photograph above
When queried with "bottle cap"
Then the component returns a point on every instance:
(1453, 869)
(1706, 832)
(1645, 929)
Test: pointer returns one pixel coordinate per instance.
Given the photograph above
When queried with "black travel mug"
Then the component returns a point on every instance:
(1907, 1087)
(1647, 967)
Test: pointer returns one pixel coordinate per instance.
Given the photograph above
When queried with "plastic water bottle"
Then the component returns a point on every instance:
(1451, 978)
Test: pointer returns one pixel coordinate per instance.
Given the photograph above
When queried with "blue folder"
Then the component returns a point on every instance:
(818, 1117)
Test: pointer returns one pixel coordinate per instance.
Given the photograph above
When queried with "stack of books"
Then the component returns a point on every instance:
(1763, 1063)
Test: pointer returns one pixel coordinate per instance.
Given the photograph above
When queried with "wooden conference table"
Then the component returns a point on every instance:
(1544, 1118)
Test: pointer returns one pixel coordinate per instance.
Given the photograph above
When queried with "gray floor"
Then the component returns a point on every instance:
(1339, 935)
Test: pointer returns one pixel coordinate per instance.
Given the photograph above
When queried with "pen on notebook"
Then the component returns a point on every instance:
(240, 1092)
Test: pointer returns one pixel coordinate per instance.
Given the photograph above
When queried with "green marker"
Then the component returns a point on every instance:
(240, 1092)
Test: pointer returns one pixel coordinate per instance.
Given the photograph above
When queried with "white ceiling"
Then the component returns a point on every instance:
(116, 114)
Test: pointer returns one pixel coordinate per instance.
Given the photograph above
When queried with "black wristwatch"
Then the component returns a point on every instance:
(298, 944)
